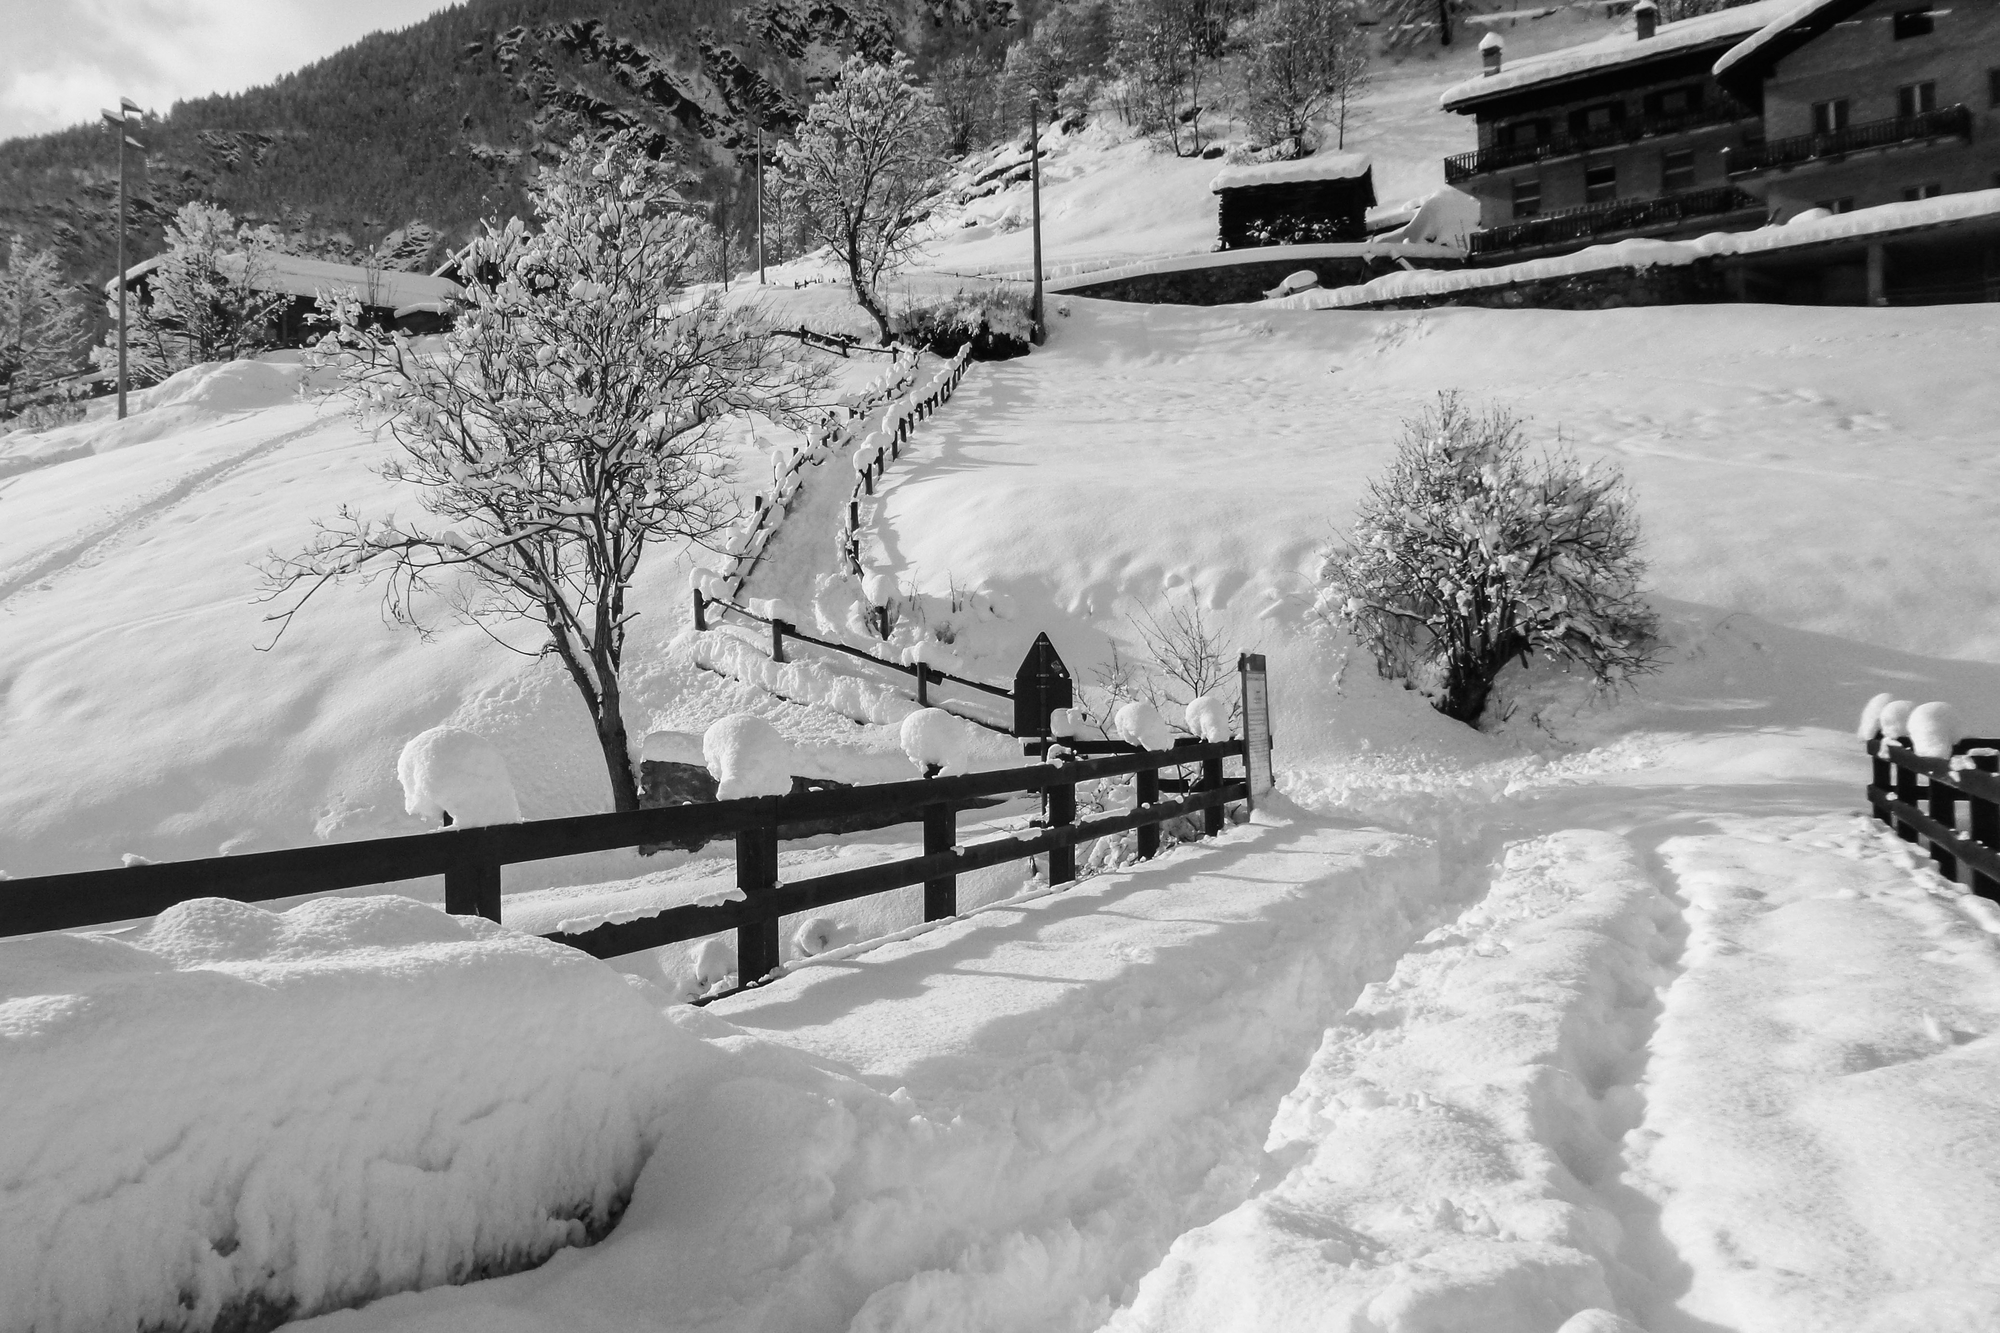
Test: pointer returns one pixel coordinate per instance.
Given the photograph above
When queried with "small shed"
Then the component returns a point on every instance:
(1308, 201)
(390, 298)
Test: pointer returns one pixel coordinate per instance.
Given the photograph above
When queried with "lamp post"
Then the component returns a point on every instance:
(760, 204)
(121, 119)
(1037, 329)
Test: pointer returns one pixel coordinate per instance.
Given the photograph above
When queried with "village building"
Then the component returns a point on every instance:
(1312, 200)
(1620, 137)
(390, 298)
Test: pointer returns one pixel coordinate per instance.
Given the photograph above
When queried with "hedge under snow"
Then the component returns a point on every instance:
(384, 1098)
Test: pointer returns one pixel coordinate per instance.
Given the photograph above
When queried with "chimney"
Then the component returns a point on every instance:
(1489, 53)
(1648, 16)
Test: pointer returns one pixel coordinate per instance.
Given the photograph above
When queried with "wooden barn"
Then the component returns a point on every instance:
(1315, 199)
(390, 298)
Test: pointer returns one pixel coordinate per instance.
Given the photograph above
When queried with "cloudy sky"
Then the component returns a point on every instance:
(60, 60)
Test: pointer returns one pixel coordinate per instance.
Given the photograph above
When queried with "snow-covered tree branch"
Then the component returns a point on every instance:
(565, 427)
(1469, 554)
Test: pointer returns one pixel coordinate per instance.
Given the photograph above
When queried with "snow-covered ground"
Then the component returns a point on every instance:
(1619, 1014)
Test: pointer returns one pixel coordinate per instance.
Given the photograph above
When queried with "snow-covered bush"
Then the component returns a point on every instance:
(747, 757)
(996, 322)
(1140, 724)
(937, 741)
(447, 773)
(237, 1116)
(1469, 555)
(1208, 717)
(564, 427)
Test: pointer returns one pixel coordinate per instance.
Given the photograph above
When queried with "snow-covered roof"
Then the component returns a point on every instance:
(294, 276)
(1621, 48)
(1319, 167)
(1795, 23)
(1804, 230)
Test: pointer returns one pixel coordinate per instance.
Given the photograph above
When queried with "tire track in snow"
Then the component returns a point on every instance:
(59, 560)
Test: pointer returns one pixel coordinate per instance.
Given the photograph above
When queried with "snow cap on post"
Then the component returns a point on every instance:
(1208, 717)
(1141, 725)
(747, 757)
(1871, 716)
(1896, 720)
(1934, 729)
(449, 771)
(933, 738)
(879, 589)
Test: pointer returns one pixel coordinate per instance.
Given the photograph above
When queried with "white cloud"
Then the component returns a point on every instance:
(61, 61)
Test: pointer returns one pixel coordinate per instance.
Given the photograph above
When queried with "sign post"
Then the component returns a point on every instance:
(1256, 724)
(1041, 685)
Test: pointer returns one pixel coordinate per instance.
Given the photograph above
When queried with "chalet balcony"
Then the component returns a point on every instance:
(1594, 223)
(1465, 166)
(1898, 132)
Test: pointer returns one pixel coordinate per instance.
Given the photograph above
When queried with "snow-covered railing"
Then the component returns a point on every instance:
(1941, 791)
(472, 859)
(872, 459)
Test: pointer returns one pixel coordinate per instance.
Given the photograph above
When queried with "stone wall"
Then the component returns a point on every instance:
(1227, 284)
(1701, 283)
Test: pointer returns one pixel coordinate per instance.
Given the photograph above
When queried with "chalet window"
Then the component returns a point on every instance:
(1527, 197)
(1600, 183)
(1674, 102)
(1679, 171)
(1913, 99)
(1914, 23)
(1525, 133)
(1592, 118)
(1830, 117)
(1844, 204)
(1916, 192)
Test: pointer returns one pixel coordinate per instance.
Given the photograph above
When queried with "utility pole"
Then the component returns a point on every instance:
(760, 205)
(121, 120)
(1038, 330)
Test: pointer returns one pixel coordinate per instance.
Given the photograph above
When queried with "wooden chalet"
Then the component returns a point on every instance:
(1308, 201)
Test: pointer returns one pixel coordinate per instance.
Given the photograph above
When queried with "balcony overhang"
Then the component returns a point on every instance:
(1806, 152)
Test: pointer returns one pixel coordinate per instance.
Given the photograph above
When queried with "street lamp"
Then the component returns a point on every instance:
(1038, 331)
(122, 119)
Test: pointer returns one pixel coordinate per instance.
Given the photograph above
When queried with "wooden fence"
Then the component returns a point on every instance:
(471, 859)
(1953, 809)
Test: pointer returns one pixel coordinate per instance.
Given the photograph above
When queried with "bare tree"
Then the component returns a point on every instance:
(1166, 53)
(1469, 555)
(863, 168)
(965, 89)
(566, 426)
(1307, 61)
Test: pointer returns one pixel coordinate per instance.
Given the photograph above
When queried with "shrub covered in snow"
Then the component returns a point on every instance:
(447, 771)
(1140, 724)
(381, 1098)
(747, 757)
(933, 738)
(1208, 717)
(1469, 555)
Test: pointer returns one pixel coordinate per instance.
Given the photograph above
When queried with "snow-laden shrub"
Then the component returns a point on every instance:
(1470, 554)
(747, 757)
(1934, 729)
(1208, 717)
(937, 741)
(447, 771)
(997, 322)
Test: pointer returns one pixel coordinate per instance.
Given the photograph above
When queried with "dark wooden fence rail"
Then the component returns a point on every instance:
(470, 859)
(1955, 812)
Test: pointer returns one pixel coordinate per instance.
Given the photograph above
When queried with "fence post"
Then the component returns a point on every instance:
(1062, 811)
(882, 622)
(700, 613)
(1146, 791)
(756, 870)
(853, 515)
(1211, 780)
(1907, 792)
(777, 640)
(1882, 778)
(1943, 807)
(472, 888)
(1985, 823)
(940, 835)
(923, 686)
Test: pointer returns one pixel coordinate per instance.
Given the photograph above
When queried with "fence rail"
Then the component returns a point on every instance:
(1801, 148)
(1951, 809)
(471, 859)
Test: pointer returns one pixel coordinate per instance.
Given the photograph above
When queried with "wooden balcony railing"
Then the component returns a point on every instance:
(1624, 215)
(1464, 166)
(1802, 148)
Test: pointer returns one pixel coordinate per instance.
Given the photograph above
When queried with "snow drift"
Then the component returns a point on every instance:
(385, 1098)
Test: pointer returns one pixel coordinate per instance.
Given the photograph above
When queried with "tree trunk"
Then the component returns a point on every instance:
(867, 300)
(617, 747)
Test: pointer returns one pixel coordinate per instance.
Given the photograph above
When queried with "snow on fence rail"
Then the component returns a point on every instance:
(1950, 802)
(471, 859)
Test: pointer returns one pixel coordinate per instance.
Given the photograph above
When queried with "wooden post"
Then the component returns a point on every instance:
(940, 835)
(882, 622)
(868, 480)
(1985, 824)
(1062, 810)
(1907, 792)
(1943, 807)
(756, 872)
(700, 612)
(1146, 784)
(923, 686)
(777, 640)
(853, 515)
(472, 888)
(1882, 777)
(1211, 780)
(1878, 275)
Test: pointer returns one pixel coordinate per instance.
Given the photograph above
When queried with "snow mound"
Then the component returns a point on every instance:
(747, 757)
(1141, 725)
(671, 747)
(931, 736)
(1895, 720)
(1871, 717)
(450, 771)
(1934, 729)
(879, 589)
(226, 386)
(1208, 717)
(820, 934)
(384, 1098)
